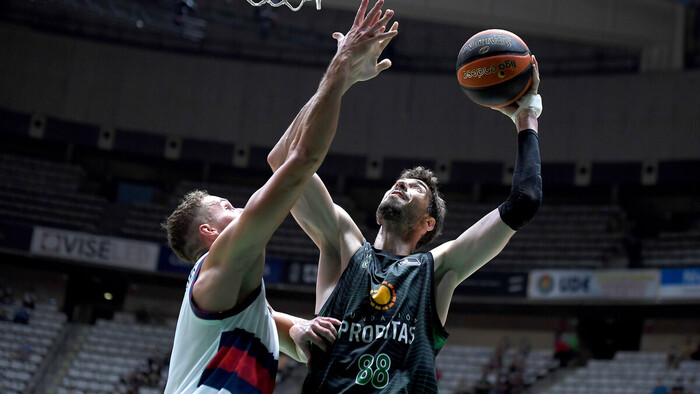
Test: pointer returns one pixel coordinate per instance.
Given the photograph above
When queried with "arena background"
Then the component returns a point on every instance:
(111, 110)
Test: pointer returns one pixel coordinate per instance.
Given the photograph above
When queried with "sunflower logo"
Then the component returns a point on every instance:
(545, 284)
(383, 297)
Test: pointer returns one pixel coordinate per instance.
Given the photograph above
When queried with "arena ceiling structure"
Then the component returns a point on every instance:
(570, 36)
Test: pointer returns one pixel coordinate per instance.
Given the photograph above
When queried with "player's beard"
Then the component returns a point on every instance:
(396, 218)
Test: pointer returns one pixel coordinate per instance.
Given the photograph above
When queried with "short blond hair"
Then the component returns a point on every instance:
(183, 224)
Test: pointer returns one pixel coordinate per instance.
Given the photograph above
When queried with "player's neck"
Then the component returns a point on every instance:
(398, 244)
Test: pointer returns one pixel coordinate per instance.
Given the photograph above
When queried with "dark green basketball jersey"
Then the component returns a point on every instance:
(390, 331)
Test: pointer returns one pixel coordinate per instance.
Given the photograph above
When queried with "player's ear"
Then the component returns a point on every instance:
(207, 230)
(429, 222)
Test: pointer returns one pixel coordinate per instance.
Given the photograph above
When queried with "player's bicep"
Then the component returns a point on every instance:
(473, 248)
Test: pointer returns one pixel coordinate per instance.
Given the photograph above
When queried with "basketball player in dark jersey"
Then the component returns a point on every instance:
(393, 302)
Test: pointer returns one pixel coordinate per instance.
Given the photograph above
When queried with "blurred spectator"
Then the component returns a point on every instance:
(501, 386)
(678, 387)
(483, 385)
(562, 350)
(21, 316)
(22, 351)
(3, 315)
(660, 387)
(524, 347)
(6, 296)
(496, 362)
(673, 358)
(688, 349)
(147, 374)
(29, 299)
(695, 356)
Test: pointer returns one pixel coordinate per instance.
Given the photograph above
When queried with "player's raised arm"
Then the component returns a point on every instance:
(229, 272)
(328, 225)
(456, 260)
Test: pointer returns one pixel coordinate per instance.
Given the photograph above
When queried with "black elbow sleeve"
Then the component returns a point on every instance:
(521, 206)
(526, 193)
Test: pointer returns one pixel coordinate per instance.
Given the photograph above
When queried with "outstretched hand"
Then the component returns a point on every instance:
(320, 331)
(365, 41)
(509, 110)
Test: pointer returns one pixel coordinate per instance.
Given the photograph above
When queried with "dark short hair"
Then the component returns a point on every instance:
(436, 206)
(182, 226)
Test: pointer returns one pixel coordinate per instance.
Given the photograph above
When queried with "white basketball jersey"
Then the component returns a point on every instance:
(234, 351)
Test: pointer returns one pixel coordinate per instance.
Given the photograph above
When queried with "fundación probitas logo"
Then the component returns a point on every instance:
(383, 297)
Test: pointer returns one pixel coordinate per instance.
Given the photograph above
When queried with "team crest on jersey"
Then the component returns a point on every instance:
(383, 297)
(409, 261)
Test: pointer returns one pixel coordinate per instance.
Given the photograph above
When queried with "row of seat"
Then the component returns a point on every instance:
(24, 348)
(628, 372)
(111, 350)
(461, 367)
(567, 235)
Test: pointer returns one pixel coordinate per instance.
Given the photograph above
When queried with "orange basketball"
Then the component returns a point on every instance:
(494, 68)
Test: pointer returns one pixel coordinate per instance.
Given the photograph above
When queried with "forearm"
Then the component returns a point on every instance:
(284, 323)
(318, 120)
(279, 152)
(526, 191)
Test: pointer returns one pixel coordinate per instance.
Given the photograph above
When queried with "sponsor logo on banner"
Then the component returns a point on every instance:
(677, 283)
(545, 284)
(628, 284)
(560, 284)
(84, 247)
(590, 284)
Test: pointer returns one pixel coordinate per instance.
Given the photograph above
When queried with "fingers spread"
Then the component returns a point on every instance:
(373, 14)
(394, 28)
(360, 13)
(379, 23)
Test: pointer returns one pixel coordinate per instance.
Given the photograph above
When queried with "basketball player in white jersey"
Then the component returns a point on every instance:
(227, 339)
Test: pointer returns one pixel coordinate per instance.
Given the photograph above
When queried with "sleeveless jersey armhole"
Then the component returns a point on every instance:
(440, 333)
(205, 315)
(354, 261)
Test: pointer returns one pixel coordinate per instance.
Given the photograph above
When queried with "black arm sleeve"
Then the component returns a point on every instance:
(526, 192)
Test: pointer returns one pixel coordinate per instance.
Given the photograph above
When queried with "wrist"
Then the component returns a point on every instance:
(340, 68)
(526, 119)
(529, 109)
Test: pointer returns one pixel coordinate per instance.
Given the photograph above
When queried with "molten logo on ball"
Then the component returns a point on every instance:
(482, 71)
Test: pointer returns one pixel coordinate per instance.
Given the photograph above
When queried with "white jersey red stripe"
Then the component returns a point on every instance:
(234, 351)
